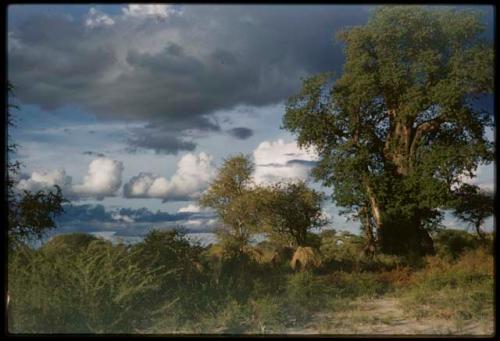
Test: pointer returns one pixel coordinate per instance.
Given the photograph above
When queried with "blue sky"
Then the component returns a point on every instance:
(131, 108)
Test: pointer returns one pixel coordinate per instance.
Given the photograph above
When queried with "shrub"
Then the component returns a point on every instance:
(236, 318)
(341, 251)
(98, 290)
(345, 284)
(74, 242)
(452, 243)
(304, 295)
(461, 289)
(269, 314)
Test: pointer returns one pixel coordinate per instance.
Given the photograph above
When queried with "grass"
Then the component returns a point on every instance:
(70, 291)
(460, 290)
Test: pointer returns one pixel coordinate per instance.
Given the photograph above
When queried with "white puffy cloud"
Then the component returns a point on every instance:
(104, 178)
(121, 217)
(279, 160)
(43, 180)
(190, 208)
(96, 18)
(192, 176)
(155, 10)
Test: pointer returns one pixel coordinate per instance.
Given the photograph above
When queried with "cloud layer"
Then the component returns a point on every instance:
(103, 179)
(172, 66)
(129, 221)
(192, 176)
(277, 160)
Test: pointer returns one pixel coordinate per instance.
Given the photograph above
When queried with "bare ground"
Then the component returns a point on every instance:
(387, 317)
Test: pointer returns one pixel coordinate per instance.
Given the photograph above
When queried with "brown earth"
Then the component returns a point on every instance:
(386, 316)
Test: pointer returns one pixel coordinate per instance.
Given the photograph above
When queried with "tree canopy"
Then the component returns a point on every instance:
(289, 210)
(473, 206)
(232, 197)
(399, 128)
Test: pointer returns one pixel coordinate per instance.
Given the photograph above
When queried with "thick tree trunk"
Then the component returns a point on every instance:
(395, 235)
(402, 237)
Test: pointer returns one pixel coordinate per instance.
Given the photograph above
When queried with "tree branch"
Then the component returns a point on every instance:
(421, 130)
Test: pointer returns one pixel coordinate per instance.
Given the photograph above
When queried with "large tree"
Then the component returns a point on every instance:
(399, 128)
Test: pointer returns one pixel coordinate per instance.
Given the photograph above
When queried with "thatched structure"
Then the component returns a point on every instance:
(305, 258)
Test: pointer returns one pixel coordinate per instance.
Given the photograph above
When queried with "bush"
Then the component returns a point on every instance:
(269, 315)
(304, 295)
(236, 318)
(452, 243)
(341, 251)
(357, 284)
(461, 289)
(74, 242)
(98, 290)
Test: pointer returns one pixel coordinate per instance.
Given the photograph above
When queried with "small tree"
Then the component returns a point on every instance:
(233, 198)
(473, 206)
(289, 211)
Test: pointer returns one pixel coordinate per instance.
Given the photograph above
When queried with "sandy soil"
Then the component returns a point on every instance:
(385, 316)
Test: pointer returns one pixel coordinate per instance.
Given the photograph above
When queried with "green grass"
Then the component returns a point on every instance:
(461, 290)
(99, 287)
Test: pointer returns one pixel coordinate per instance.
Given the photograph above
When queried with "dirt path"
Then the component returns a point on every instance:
(386, 316)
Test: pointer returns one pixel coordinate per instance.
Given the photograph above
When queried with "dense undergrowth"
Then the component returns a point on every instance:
(80, 284)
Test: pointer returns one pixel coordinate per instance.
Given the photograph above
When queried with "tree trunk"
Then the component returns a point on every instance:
(396, 235)
(399, 234)
(480, 233)
(369, 248)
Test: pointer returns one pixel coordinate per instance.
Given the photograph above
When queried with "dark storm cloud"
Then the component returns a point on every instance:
(91, 153)
(166, 144)
(170, 137)
(127, 221)
(177, 72)
(308, 163)
(84, 213)
(241, 133)
(98, 213)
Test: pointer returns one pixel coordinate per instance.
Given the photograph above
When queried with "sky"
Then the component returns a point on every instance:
(130, 109)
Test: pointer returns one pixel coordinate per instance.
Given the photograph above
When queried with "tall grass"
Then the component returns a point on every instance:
(76, 284)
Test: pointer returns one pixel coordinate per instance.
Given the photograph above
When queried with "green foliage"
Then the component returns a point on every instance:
(461, 289)
(98, 289)
(80, 284)
(397, 129)
(230, 196)
(289, 210)
(236, 317)
(473, 206)
(357, 284)
(341, 251)
(453, 243)
(270, 315)
(72, 242)
(303, 295)
(32, 214)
